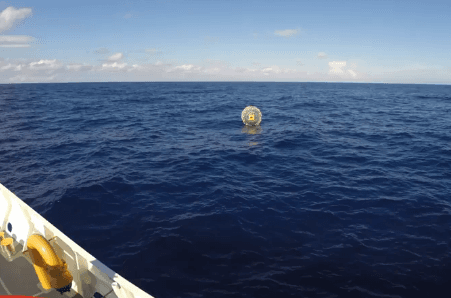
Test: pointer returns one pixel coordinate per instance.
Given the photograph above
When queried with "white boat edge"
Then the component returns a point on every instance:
(89, 274)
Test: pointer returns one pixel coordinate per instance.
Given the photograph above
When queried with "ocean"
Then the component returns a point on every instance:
(343, 190)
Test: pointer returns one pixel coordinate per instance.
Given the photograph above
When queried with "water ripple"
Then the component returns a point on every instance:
(342, 192)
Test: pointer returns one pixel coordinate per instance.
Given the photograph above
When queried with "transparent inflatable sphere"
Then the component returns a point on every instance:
(251, 116)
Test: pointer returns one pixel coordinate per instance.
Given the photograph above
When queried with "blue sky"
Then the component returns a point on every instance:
(348, 41)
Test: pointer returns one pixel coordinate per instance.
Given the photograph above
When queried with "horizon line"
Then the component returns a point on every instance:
(327, 82)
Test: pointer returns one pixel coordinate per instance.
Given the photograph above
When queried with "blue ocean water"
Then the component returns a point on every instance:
(344, 190)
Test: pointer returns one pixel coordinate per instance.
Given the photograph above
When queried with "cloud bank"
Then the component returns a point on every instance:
(9, 18)
(287, 32)
(115, 69)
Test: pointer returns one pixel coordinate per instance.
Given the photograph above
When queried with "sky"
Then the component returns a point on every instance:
(228, 40)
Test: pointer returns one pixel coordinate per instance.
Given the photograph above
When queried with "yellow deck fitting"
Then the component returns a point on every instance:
(8, 243)
(50, 269)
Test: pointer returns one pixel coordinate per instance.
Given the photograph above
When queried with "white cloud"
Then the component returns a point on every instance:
(212, 70)
(268, 69)
(273, 70)
(185, 67)
(114, 65)
(188, 67)
(15, 41)
(340, 70)
(11, 16)
(116, 57)
(242, 69)
(322, 55)
(287, 32)
(15, 46)
(78, 67)
(45, 65)
(135, 67)
(46, 70)
(13, 67)
(33, 67)
(15, 38)
(8, 19)
(336, 67)
(127, 16)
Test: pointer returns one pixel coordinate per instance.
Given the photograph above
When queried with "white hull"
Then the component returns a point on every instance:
(17, 274)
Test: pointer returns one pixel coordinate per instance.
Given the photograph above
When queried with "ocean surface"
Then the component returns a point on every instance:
(343, 191)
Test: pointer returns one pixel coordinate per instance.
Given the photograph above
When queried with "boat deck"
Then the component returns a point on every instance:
(18, 277)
